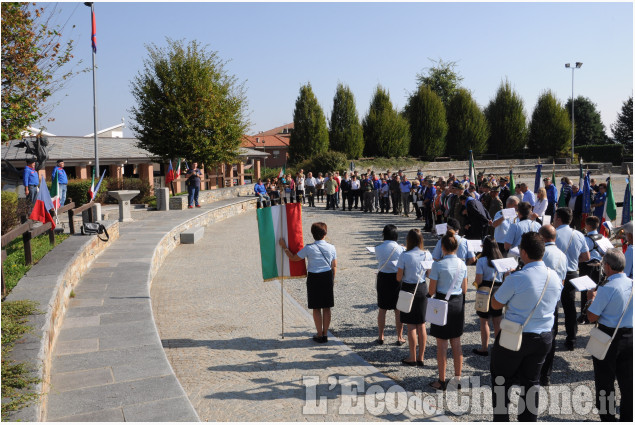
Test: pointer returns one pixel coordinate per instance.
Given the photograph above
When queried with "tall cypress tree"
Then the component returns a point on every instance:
(345, 131)
(310, 135)
(550, 127)
(386, 132)
(507, 121)
(589, 129)
(622, 129)
(467, 126)
(428, 125)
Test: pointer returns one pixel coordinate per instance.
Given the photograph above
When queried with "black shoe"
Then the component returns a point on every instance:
(400, 343)
(317, 338)
(479, 352)
(419, 363)
(407, 363)
(569, 345)
(325, 339)
(379, 341)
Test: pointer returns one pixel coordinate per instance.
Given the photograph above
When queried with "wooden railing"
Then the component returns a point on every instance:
(72, 212)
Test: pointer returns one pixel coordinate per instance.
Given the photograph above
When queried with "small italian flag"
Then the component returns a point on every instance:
(472, 170)
(55, 192)
(282, 172)
(91, 190)
(280, 221)
(177, 173)
(610, 208)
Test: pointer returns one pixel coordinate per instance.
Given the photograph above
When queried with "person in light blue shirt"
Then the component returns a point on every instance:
(611, 303)
(571, 242)
(404, 188)
(261, 192)
(62, 180)
(387, 254)
(502, 224)
(628, 268)
(600, 199)
(463, 252)
(528, 195)
(488, 280)
(521, 292)
(411, 274)
(525, 224)
(322, 259)
(449, 276)
(592, 236)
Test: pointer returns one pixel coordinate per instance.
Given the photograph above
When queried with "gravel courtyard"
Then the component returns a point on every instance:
(355, 323)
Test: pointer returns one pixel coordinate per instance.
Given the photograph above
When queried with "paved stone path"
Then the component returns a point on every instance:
(108, 363)
(220, 326)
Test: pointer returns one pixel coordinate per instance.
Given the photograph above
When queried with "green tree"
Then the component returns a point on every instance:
(386, 131)
(428, 125)
(345, 131)
(310, 135)
(33, 55)
(550, 127)
(467, 126)
(622, 129)
(442, 78)
(188, 106)
(589, 129)
(507, 121)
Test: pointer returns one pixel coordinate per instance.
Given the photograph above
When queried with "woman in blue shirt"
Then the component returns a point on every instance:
(486, 278)
(320, 277)
(388, 286)
(410, 272)
(449, 274)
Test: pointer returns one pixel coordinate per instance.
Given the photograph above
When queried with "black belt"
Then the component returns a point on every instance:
(620, 332)
(572, 274)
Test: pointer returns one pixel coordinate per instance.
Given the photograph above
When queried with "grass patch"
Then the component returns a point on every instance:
(14, 267)
(16, 377)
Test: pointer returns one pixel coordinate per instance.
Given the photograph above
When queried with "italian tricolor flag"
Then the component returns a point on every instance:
(280, 221)
(610, 208)
(55, 192)
(91, 189)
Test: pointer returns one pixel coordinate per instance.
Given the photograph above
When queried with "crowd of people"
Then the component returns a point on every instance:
(551, 253)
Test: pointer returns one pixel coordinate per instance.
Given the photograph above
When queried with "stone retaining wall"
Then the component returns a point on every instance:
(49, 283)
(179, 202)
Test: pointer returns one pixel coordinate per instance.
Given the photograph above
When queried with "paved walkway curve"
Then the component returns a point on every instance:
(108, 363)
(220, 326)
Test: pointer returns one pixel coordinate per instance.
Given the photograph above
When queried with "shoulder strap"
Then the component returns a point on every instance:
(322, 252)
(539, 299)
(388, 259)
(622, 316)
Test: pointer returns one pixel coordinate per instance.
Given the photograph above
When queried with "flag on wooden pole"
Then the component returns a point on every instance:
(610, 208)
(627, 209)
(538, 177)
(91, 189)
(586, 197)
(280, 221)
(472, 171)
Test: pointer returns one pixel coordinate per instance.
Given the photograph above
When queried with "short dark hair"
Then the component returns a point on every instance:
(30, 160)
(454, 224)
(593, 222)
(414, 239)
(564, 214)
(318, 230)
(462, 198)
(59, 160)
(533, 245)
(524, 208)
(390, 232)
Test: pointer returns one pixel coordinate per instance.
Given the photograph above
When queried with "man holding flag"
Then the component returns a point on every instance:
(62, 180)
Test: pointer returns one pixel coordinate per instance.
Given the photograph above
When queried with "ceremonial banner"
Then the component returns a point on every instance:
(586, 198)
(512, 187)
(280, 221)
(472, 171)
(610, 208)
(627, 209)
(538, 178)
(282, 171)
(91, 189)
(43, 204)
(169, 176)
(55, 192)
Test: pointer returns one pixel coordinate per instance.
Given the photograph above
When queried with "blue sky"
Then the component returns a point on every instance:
(277, 47)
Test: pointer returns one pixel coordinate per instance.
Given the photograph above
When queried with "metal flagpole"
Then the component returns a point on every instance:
(94, 49)
(282, 276)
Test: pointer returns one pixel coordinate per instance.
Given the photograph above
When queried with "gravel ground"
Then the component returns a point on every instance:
(355, 323)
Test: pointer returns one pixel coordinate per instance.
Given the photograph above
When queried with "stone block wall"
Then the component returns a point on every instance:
(208, 196)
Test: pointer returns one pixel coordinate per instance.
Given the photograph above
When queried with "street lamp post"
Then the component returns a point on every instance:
(573, 68)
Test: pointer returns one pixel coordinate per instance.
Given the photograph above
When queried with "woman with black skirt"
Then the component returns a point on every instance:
(410, 272)
(320, 278)
(486, 276)
(387, 284)
(449, 274)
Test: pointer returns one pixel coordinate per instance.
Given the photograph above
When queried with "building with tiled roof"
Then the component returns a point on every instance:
(274, 142)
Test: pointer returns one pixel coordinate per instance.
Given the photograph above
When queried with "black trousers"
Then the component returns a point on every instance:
(346, 198)
(427, 211)
(355, 193)
(330, 201)
(310, 195)
(525, 364)
(618, 364)
(567, 298)
(547, 367)
(396, 202)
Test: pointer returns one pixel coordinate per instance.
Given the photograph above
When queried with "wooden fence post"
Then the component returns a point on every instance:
(71, 224)
(28, 255)
(4, 257)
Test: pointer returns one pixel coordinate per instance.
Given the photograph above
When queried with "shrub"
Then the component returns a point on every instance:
(77, 190)
(10, 217)
(601, 153)
(323, 163)
(145, 191)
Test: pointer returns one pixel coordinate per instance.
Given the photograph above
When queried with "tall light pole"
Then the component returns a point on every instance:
(573, 68)
(94, 48)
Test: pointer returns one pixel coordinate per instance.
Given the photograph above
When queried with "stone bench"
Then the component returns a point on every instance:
(192, 235)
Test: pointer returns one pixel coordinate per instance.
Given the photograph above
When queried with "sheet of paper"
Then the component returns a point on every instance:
(371, 249)
(604, 244)
(394, 263)
(475, 245)
(514, 251)
(427, 256)
(504, 264)
(546, 219)
(441, 228)
(427, 265)
(509, 212)
(583, 283)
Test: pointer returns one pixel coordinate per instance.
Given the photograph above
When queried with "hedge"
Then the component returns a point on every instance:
(601, 153)
(77, 190)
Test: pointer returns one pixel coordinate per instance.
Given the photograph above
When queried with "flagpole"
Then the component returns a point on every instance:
(92, 17)
(282, 278)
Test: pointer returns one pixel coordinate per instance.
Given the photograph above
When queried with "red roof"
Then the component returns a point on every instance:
(278, 130)
(276, 137)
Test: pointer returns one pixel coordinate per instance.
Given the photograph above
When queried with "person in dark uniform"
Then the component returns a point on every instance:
(410, 272)
(322, 259)
(193, 177)
(531, 296)
(477, 218)
(612, 308)
(449, 276)
(387, 284)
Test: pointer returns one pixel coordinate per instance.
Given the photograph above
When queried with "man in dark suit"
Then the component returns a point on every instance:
(575, 203)
(477, 218)
(504, 190)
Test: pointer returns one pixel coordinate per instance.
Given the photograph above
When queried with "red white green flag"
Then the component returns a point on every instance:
(282, 171)
(91, 190)
(55, 192)
(610, 208)
(280, 221)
